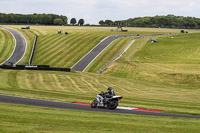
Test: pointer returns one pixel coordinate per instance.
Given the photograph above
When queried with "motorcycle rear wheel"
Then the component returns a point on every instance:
(112, 104)
(94, 104)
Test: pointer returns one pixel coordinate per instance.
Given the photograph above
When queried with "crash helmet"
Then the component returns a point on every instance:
(109, 89)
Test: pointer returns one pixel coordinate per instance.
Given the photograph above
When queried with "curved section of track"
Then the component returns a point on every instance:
(20, 47)
(84, 62)
(62, 105)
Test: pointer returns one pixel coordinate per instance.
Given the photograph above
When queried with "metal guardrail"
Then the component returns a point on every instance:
(34, 67)
(33, 50)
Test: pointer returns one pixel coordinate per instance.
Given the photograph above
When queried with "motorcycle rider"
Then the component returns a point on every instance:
(110, 92)
(106, 95)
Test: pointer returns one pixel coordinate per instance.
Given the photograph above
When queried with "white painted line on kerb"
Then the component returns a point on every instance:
(126, 108)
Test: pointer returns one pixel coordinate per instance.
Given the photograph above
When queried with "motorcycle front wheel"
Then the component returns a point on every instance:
(94, 104)
(112, 104)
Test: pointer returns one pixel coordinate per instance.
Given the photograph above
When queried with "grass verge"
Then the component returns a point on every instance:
(21, 118)
(7, 45)
(83, 87)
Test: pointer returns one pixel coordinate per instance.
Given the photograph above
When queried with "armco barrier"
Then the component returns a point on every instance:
(35, 67)
(33, 50)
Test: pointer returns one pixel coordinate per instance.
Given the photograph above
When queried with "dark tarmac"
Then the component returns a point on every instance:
(71, 106)
(20, 47)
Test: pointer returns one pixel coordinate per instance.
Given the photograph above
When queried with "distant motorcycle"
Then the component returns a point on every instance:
(102, 100)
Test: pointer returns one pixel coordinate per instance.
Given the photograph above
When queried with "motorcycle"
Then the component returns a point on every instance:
(102, 100)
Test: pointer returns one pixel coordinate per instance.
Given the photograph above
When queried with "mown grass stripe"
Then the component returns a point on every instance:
(89, 85)
(49, 50)
(100, 84)
(12, 79)
(49, 53)
(38, 32)
(55, 51)
(52, 37)
(96, 83)
(69, 55)
(81, 52)
(43, 40)
(74, 85)
(42, 46)
(2, 39)
(52, 47)
(59, 86)
(48, 40)
(7, 45)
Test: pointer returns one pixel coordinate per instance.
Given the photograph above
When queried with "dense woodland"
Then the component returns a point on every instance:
(169, 21)
(44, 19)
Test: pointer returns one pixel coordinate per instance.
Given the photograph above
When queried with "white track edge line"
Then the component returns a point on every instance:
(15, 44)
(91, 50)
(25, 48)
(98, 55)
(102, 51)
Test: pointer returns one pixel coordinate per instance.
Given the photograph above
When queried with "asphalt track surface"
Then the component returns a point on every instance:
(71, 106)
(20, 47)
(84, 62)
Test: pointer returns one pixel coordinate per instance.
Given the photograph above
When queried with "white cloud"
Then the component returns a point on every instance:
(94, 10)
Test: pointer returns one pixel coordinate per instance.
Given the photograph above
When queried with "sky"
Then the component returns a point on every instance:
(92, 11)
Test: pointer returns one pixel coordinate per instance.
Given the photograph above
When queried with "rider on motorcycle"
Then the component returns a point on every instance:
(110, 92)
(106, 95)
(107, 99)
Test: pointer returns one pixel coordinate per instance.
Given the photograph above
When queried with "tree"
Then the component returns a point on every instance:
(101, 22)
(108, 22)
(73, 21)
(58, 21)
(81, 22)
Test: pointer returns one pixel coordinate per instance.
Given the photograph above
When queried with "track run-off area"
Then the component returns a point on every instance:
(86, 107)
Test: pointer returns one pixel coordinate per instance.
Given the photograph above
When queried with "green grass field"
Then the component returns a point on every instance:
(21, 118)
(7, 45)
(161, 76)
(171, 61)
(65, 50)
(83, 87)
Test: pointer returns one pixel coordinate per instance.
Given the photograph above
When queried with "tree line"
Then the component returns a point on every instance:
(44, 19)
(168, 21)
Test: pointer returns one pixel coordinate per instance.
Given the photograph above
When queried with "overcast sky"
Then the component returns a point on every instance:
(94, 10)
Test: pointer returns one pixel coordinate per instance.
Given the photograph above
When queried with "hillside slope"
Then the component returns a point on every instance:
(7, 45)
(172, 61)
